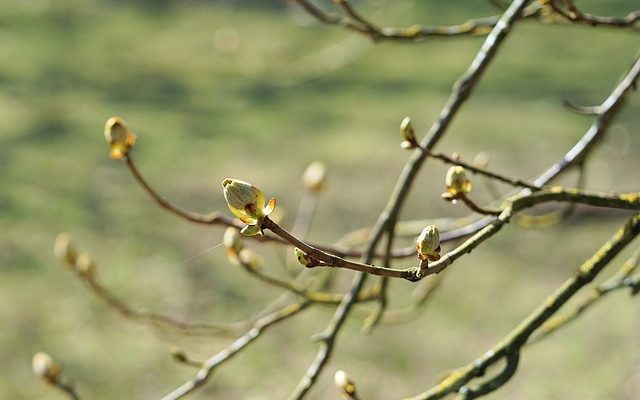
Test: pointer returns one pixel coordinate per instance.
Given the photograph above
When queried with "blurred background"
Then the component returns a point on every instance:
(256, 91)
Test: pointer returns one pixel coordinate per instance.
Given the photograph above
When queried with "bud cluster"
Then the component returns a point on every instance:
(65, 252)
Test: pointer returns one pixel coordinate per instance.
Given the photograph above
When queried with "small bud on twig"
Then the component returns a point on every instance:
(178, 354)
(247, 202)
(44, 367)
(408, 134)
(64, 250)
(232, 240)
(344, 382)
(302, 257)
(119, 138)
(428, 244)
(85, 265)
(457, 183)
(314, 177)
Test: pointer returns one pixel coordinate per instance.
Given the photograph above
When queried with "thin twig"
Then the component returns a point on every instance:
(221, 220)
(354, 21)
(477, 208)
(573, 14)
(381, 287)
(158, 320)
(234, 348)
(67, 388)
(310, 295)
(517, 182)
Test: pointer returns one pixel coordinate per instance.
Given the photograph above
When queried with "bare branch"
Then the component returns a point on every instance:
(238, 345)
(512, 343)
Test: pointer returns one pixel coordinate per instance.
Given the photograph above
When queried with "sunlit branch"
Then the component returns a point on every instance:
(618, 281)
(509, 348)
(628, 201)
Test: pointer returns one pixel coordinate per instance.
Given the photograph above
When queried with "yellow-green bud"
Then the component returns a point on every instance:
(344, 382)
(64, 250)
(457, 182)
(178, 354)
(246, 202)
(250, 259)
(119, 138)
(408, 134)
(232, 240)
(428, 244)
(315, 176)
(302, 257)
(44, 367)
(85, 265)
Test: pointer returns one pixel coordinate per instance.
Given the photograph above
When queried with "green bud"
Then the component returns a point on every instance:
(247, 202)
(456, 181)
(302, 257)
(428, 244)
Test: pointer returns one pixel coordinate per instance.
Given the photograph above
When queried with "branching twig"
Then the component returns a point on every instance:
(310, 295)
(629, 201)
(221, 220)
(609, 109)
(573, 14)
(389, 216)
(209, 366)
(517, 182)
(354, 21)
(511, 345)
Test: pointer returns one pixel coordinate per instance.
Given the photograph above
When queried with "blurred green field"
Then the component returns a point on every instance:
(257, 91)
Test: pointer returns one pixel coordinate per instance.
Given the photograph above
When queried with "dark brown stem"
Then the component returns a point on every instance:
(480, 210)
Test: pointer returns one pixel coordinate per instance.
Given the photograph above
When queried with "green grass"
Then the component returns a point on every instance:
(260, 110)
